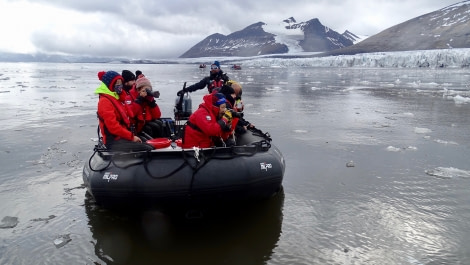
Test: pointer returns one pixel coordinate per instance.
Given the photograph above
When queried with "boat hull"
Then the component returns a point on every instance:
(173, 176)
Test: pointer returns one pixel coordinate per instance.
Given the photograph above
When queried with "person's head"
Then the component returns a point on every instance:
(113, 81)
(143, 84)
(215, 67)
(236, 87)
(218, 100)
(229, 94)
(129, 79)
(138, 73)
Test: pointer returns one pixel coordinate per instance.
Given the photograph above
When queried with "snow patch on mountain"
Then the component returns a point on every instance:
(287, 36)
(291, 33)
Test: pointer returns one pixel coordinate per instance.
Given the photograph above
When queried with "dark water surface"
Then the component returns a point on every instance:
(402, 199)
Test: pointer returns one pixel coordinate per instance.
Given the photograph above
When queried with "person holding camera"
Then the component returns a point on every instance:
(209, 125)
(146, 112)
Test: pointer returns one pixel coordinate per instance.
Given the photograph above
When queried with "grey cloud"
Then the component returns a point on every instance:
(163, 28)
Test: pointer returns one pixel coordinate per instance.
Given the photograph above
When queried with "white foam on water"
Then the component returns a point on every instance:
(448, 173)
(445, 142)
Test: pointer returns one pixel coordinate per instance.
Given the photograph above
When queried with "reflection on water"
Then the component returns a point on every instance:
(234, 235)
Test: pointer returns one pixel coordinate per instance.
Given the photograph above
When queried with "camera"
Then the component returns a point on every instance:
(155, 94)
(236, 114)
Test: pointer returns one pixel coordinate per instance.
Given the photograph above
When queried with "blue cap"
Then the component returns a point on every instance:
(218, 99)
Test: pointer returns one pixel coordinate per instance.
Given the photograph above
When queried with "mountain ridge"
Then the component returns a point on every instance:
(262, 39)
(445, 28)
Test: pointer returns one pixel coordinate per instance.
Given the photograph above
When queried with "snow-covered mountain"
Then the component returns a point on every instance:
(310, 36)
(445, 28)
(285, 37)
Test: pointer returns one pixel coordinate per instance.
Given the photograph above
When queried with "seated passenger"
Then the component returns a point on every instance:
(145, 109)
(234, 89)
(208, 124)
(114, 123)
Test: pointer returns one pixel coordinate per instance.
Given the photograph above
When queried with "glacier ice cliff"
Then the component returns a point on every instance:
(443, 58)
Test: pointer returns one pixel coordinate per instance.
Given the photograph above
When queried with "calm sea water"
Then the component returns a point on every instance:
(377, 171)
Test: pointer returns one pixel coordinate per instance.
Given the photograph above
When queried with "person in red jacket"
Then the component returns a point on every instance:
(208, 123)
(129, 80)
(146, 110)
(114, 120)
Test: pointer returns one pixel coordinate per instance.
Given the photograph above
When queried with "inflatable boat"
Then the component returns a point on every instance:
(169, 175)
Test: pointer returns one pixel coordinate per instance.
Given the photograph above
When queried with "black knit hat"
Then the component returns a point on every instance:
(227, 91)
(127, 75)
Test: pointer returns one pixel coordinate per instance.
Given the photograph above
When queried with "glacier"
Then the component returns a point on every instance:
(441, 58)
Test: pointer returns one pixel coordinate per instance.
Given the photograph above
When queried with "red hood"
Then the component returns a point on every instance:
(209, 106)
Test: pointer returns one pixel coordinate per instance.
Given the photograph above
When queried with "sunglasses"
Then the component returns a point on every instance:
(213, 67)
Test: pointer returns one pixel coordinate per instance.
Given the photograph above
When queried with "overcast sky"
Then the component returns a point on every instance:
(154, 29)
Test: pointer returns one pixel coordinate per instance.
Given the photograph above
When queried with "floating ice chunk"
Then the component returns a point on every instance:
(350, 164)
(422, 130)
(9, 222)
(444, 142)
(413, 148)
(62, 240)
(300, 131)
(461, 100)
(393, 149)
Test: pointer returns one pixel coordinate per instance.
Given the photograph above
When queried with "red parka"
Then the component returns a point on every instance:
(141, 112)
(203, 125)
(114, 121)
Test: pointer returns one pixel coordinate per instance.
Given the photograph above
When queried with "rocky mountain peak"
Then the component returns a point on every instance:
(260, 39)
(445, 28)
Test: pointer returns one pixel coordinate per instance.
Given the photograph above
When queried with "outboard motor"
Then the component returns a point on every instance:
(183, 107)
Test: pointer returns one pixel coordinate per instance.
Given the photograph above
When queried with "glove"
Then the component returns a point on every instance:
(156, 94)
(230, 142)
(223, 125)
(139, 100)
(149, 93)
(149, 96)
(152, 104)
(227, 118)
(182, 91)
(226, 121)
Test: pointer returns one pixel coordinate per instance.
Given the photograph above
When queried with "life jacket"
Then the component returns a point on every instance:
(124, 119)
(215, 84)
